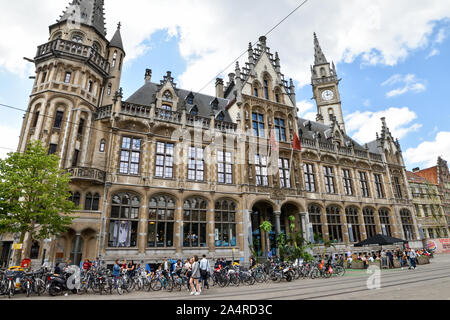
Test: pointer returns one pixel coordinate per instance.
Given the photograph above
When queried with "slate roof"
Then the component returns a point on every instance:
(88, 12)
(325, 133)
(146, 95)
(116, 41)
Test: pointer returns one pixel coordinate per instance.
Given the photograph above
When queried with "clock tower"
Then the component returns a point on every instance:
(325, 85)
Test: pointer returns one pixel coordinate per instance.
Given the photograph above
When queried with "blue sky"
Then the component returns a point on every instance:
(394, 69)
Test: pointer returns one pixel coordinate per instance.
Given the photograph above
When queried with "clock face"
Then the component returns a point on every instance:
(327, 95)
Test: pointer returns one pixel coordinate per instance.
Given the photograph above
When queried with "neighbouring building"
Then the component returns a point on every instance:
(169, 172)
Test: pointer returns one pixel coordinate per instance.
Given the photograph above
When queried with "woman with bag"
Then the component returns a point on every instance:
(195, 289)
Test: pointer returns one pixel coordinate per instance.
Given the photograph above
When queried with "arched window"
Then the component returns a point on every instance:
(353, 224)
(266, 89)
(77, 38)
(161, 221)
(334, 223)
(96, 47)
(255, 91)
(384, 221)
(35, 247)
(109, 89)
(76, 199)
(194, 223)
(225, 223)
(220, 116)
(95, 202)
(102, 145)
(322, 72)
(124, 220)
(88, 202)
(120, 62)
(194, 111)
(369, 221)
(407, 223)
(90, 83)
(114, 59)
(314, 217)
(35, 119)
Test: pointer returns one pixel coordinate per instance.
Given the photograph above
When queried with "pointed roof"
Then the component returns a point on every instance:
(116, 40)
(88, 12)
(319, 57)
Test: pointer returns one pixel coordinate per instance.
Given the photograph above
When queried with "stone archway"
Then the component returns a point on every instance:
(263, 211)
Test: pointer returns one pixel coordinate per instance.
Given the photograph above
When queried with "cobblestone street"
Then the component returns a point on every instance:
(430, 281)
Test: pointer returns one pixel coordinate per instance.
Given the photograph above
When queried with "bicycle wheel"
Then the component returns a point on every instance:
(156, 285)
(169, 285)
(11, 289)
(119, 288)
(39, 286)
(28, 288)
(250, 280)
(339, 271)
(315, 273)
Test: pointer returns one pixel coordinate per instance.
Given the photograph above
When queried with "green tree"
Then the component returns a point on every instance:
(34, 195)
(266, 226)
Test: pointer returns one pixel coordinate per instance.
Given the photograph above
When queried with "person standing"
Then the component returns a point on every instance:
(195, 289)
(116, 272)
(205, 270)
(412, 258)
(165, 267)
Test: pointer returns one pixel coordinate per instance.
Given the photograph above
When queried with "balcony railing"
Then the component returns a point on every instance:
(198, 121)
(225, 126)
(361, 154)
(92, 174)
(103, 112)
(375, 157)
(132, 109)
(167, 115)
(55, 47)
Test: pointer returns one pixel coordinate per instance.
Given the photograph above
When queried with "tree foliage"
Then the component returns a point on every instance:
(34, 194)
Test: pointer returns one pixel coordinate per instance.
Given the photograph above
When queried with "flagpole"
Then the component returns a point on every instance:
(290, 165)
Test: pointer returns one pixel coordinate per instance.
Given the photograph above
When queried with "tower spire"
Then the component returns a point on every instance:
(319, 57)
(88, 12)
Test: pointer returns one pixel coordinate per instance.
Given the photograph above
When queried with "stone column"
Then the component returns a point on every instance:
(277, 222)
(210, 232)
(363, 225)
(143, 226)
(77, 249)
(178, 232)
(345, 235)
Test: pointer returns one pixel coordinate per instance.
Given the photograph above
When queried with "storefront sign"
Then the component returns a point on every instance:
(439, 245)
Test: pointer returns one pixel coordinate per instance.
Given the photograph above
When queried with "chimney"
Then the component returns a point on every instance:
(416, 170)
(148, 75)
(219, 88)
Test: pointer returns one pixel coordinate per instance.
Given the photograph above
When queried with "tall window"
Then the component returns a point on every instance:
(329, 179)
(384, 221)
(314, 218)
(224, 167)
(109, 89)
(379, 185)
(347, 179)
(44, 76)
(194, 223)
(81, 127)
(161, 221)
(258, 124)
(114, 59)
(225, 223)
(123, 225)
(35, 120)
(280, 129)
(369, 221)
(90, 83)
(310, 183)
(285, 177)
(75, 158)
(364, 184)
(261, 170)
(425, 210)
(130, 155)
(102, 145)
(398, 188)
(75, 198)
(58, 119)
(92, 202)
(353, 224)
(196, 168)
(255, 91)
(52, 148)
(334, 223)
(407, 223)
(164, 160)
(68, 77)
(266, 89)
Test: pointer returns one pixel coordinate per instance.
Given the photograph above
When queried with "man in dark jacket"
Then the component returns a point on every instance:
(391, 258)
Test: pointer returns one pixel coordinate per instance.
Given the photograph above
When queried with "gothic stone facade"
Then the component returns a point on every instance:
(169, 172)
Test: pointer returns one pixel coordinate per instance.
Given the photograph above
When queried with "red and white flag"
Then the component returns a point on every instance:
(296, 145)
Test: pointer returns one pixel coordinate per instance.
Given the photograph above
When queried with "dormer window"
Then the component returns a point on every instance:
(220, 116)
(194, 111)
(190, 98)
(167, 96)
(77, 38)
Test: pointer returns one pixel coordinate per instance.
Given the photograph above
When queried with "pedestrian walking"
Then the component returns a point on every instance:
(205, 270)
(412, 259)
(116, 272)
(195, 289)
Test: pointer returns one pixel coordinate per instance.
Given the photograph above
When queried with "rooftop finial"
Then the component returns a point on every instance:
(119, 25)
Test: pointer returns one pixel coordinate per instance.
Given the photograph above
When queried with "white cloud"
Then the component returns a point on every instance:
(214, 32)
(367, 103)
(363, 125)
(407, 83)
(441, 36)
(426, 153)
(9, 139)
(433, 53)
(305, 108)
